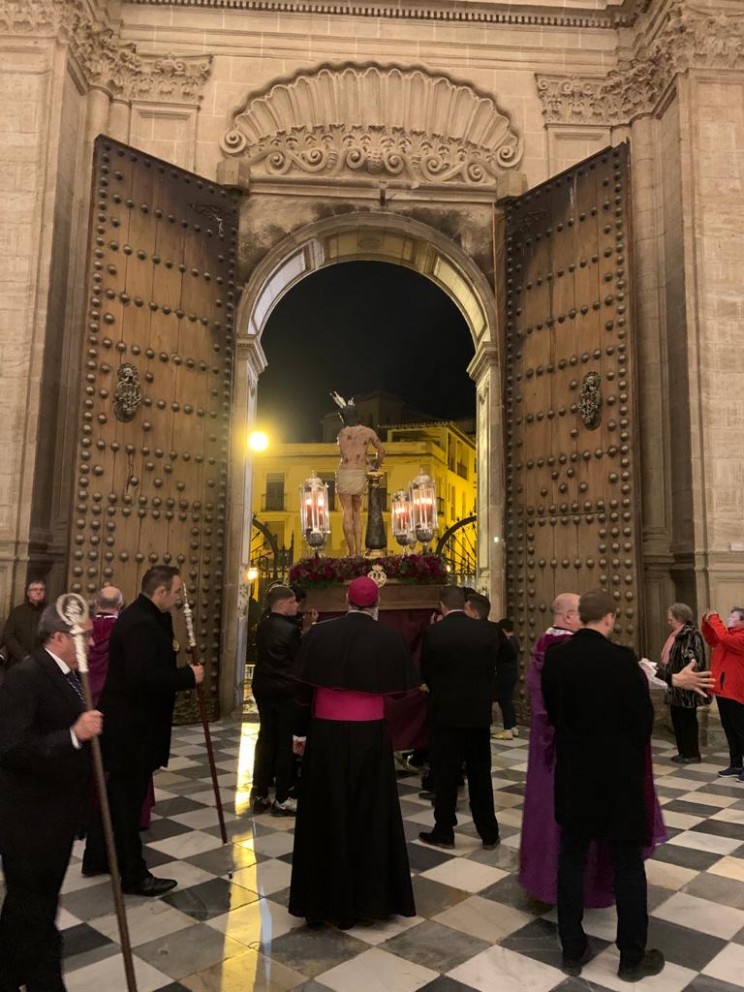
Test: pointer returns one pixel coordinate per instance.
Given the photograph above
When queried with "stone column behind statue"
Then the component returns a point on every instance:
(353, 441)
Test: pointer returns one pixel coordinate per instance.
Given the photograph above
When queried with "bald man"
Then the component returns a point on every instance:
(108, 604)
(538, 855)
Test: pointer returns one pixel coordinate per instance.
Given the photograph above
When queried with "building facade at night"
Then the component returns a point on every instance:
(570, 175)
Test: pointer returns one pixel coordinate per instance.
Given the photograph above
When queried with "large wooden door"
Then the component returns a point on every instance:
(153, 446)
(572, 490)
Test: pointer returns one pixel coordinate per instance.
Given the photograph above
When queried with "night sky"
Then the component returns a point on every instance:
(358, 327)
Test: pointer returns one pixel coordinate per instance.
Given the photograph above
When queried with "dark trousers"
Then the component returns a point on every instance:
(451, 747)
(630, 894)
(732, 721)
(684, 721)
(127, 788)
(505, 683)
(274, 758)
(30, 944)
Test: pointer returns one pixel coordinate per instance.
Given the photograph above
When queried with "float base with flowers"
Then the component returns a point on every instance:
(407, 582)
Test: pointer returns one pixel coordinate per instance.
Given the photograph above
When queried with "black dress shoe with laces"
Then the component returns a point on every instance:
(435, 841)
(650, 964)
(150, 886)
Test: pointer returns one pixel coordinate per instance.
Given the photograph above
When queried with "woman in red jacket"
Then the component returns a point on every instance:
(727, 667)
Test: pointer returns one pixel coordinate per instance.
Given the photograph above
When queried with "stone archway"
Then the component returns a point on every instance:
(399, 241)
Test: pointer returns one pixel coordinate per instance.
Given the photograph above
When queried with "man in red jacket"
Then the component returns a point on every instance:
(727, 668)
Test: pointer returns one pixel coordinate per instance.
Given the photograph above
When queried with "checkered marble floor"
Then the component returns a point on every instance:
(226, 926)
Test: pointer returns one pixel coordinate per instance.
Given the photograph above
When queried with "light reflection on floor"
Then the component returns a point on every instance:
(246, 757)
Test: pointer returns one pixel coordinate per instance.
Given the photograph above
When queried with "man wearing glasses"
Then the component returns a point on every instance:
(44, 786)
(21, 630)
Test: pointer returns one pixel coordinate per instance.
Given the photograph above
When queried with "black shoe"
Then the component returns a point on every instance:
(346, 924)
(150, 886)
(428, 794)
(313, 923)
(650, 964)
(691, 761)
(260, 804)
(730, 772)
(490, 845)
(677, 759)
(574, 966)
(89, 871)
(436, 841)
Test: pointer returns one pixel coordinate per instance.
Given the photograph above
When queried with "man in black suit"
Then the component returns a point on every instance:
(44, 785)
(137, 702)
(597, 699)
(458, 660)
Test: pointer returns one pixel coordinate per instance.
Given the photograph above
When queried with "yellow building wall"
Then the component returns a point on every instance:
(446, 455)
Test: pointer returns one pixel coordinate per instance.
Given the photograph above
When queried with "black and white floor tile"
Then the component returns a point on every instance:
(226, 927)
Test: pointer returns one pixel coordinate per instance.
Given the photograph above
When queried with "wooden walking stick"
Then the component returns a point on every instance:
(74, 610)
(189, 618)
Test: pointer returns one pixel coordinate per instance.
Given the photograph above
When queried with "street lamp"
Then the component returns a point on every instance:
(258, 441)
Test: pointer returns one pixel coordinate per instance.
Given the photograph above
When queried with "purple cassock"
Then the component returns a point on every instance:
(538, 854)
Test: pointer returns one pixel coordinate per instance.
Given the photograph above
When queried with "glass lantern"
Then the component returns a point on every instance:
(424, 505)
(315, 518)
(401, 515)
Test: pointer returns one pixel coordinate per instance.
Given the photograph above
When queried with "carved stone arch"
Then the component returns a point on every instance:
(360, 122)
(378, 237)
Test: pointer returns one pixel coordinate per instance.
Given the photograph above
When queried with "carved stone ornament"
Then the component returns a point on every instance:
(383, 123)
(689, 37)
(105, 60)
(590, 400)
(127, 395)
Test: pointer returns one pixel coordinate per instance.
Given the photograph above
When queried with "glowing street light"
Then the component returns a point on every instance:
(258, 441)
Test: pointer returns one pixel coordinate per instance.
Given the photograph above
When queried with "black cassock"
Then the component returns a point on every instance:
(350, 860)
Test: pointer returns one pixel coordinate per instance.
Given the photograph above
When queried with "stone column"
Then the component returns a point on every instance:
(484, 370)
(250, 362)
(119, 119)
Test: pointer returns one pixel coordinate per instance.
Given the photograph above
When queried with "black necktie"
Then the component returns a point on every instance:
(74, 680)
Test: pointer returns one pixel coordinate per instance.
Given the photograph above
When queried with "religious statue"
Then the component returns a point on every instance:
(353, 441)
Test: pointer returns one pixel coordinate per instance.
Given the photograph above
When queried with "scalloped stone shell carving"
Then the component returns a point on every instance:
(382, 122)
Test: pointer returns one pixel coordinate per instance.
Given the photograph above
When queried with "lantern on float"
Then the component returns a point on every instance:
(401, 515)
(316, 521)
(424, 507)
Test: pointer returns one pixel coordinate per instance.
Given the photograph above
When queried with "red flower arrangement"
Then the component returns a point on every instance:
(421, 569)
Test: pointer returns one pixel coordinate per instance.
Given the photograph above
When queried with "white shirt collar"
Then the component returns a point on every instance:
(63, 666)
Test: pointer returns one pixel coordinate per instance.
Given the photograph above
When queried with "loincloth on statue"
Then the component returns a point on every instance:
(351, 481)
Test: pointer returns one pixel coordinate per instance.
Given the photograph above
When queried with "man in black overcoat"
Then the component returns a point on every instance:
(137, 702)
(44, 787)
(277, 643)
(597, 698)
(458, 661)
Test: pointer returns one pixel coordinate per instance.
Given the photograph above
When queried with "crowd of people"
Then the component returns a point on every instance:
(321, 688)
